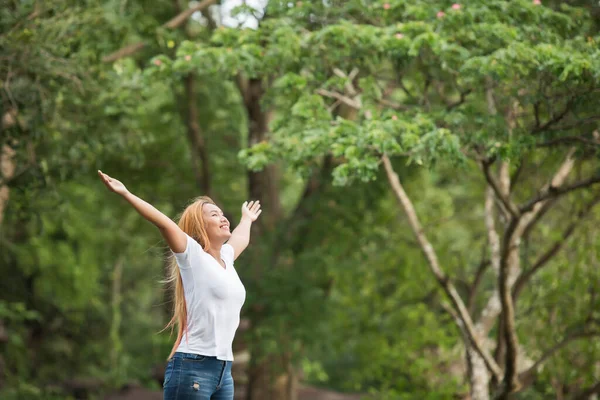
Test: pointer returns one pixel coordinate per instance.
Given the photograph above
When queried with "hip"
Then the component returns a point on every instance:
(193, 376)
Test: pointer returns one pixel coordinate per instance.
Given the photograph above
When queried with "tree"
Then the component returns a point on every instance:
(476, 85)
(65, 114)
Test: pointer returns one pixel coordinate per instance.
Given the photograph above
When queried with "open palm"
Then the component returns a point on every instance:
(251, 210)
(112, 184)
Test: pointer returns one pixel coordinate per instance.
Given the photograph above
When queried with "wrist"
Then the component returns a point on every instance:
(246, 219)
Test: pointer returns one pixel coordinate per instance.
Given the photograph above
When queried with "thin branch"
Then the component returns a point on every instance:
(552, 191)
(524, 278)
(536, 113)
(348, 85)
(517, 174)
(180, 18)
(527, 375)
(403, 87)
(174, 23)
(483, 265)
(547, 205)
(344, 99)
(395, 106)
(555, 119)
(570, 140)
(463, 97)
(124, 52)
(575, 124)
(586, 393)
(538, 210)
(435, 268)
(508, 204)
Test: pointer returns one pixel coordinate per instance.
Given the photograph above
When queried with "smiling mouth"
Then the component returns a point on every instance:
(225, 227)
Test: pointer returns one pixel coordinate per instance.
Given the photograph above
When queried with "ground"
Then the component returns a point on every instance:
(305, 393)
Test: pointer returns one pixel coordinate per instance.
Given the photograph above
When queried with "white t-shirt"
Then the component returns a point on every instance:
(214, 297)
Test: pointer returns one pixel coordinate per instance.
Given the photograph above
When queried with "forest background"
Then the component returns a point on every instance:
(428, 172)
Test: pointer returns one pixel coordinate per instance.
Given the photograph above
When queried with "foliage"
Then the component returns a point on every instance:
(346, 290)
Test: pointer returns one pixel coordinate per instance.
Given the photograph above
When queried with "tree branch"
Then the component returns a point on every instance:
(435, 268)
(483, 265)
(180, 18)
(527, 375)
(463, 97)
(517, 174)
(524, 278)
(570, 140)
(509, 268)
(508, 258)
(344, 99)
(174, 23)
(492, 308)
(586, 393)
(546, 206)
(124, 52)
(506, 202)
(7, 169)
(575, 124)
(539, 128)
(395, 106)
(553, 191)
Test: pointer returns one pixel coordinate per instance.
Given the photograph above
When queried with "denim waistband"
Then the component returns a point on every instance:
(192, 356)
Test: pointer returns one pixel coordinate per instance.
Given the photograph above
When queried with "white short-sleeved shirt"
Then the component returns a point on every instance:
(214, 297)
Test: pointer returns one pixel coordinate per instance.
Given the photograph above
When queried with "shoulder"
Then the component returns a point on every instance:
(192, 250)
(192, 245)
(227, 253)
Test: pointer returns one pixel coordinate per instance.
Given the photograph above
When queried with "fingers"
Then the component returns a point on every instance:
(103, 176)
(252, 206)
(107, 180)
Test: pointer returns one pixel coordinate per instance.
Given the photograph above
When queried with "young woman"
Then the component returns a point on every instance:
(208, 292)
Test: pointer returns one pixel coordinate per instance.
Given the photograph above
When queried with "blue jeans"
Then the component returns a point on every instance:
(196, 377)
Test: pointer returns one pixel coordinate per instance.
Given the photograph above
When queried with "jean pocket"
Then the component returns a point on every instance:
(168, 372)
(195, 359)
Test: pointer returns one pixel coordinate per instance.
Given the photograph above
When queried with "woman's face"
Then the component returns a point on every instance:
(217, 226)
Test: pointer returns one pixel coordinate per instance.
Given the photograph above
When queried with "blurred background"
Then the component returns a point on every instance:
(427, 171)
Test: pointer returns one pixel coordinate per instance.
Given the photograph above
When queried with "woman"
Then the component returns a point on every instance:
(208, 293)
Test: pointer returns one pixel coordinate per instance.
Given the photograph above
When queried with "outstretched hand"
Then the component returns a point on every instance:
(113, 184)
(251, 210)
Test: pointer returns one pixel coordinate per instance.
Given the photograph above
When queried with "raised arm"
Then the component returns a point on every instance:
(175, 237)
(240, 237)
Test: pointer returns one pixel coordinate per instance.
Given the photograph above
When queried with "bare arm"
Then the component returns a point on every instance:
(175, 237)
(240, 237)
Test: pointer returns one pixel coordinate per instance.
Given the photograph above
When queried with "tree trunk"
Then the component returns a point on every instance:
(262, 185)
(479, 377)
(269, 376)
(199, 154)
(7, 170)
(7, 161)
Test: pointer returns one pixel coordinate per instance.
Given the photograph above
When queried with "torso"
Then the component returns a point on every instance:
(214, 297)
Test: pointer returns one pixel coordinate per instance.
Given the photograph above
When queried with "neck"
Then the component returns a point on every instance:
(215, 251)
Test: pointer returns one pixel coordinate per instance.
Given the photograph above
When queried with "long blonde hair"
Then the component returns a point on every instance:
(192, 223)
